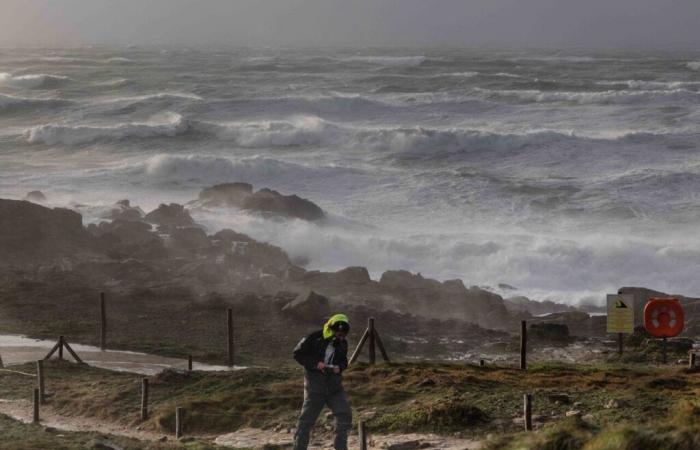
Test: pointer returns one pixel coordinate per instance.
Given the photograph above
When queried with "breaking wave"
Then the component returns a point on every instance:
(52, 134)
(693, 65)
(33, 81)
(10, 103)
(605, 97)
(388, 60)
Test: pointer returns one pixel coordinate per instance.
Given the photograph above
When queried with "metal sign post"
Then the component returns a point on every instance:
(620, 316)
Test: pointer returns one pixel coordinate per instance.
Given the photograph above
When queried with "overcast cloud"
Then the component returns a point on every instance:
(502, 23)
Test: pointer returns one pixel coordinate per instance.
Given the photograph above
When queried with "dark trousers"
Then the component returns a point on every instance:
(323, 390)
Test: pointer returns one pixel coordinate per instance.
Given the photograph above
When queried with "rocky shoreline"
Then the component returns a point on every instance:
(164, 256)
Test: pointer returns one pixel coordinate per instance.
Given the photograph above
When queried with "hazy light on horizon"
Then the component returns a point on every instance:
(508, 23)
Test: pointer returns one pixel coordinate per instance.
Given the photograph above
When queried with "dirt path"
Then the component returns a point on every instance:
(21, 410)
(20, 349)
(256, 438)
(244, 438)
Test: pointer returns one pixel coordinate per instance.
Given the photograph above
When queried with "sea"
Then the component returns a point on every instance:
(557, 175)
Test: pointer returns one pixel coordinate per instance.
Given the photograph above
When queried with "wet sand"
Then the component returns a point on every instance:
(20, 349)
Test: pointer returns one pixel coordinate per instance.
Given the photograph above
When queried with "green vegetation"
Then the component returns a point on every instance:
(617, 405)
(20, 436)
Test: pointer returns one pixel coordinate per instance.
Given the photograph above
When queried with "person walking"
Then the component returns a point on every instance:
(324, 355)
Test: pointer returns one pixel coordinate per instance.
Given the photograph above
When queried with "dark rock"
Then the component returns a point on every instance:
(227, 194)
(427, 383)
(550, 333)
(30, 232)
(309, 307)
(229, 236)
(128, 232)
(122, 210)
(189, 238)
(406, 445)
(172, 215)
(241, 195)
(353, 275)
(35, 196)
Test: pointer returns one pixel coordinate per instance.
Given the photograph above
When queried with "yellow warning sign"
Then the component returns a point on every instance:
(620, 313)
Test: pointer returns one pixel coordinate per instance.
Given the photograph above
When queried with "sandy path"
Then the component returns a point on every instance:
(21, 410)
(255, 438)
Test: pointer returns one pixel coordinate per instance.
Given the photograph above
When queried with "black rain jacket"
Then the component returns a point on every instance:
(312, 349)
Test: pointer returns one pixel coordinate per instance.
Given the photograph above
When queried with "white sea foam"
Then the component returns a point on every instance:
(52, 134)
(693, 65)
(388, 60)
(11, 102)
(32, 81)
(612, 96)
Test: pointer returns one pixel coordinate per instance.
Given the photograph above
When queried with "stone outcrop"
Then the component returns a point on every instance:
(241, 195)
(122, 210)
(35, 196)
(309, 307)
(172, 215)
(32, 232)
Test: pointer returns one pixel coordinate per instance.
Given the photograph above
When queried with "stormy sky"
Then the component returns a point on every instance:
(497, 23)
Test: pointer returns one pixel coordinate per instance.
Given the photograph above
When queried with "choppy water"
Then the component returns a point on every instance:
(564, 174)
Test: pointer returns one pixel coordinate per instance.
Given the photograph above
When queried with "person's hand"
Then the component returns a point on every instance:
(336, 370)
(321, 365)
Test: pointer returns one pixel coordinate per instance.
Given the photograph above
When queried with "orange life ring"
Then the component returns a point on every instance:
(663, 317)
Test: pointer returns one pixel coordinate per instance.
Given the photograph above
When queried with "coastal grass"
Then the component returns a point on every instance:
(466, 400)
(20, 436)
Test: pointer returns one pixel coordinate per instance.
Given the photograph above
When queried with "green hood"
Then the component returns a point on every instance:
(327, 332)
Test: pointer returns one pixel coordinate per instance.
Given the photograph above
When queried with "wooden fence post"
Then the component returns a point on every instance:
(40, 380)
(691, 361)
(103, 323)
(229, 321)
(371, 336)
(144, 399)
(60, 347)
(527, 411)
(482, 363)
(189, 363)
(179, 424)
(523, 345)
(35, 416)
(362, 435)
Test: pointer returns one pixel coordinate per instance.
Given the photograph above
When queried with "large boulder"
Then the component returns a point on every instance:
(352, 276)
(35, 197)
(226, 194)
(241, 195)
(172, 215)
(189, 238)
(33, 232)
(122, 210)
(308, 307)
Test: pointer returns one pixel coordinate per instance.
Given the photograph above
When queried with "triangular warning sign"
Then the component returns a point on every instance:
(620, 304)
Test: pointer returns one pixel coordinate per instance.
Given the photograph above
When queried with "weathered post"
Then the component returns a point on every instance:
(229, 320)
(103, 323)
(620, 342)
(362, 435)
(35, 416)
(371, 336)
(527, 411)
(523, 345)
(60, 347)
(179, 424)
(663, 350)
(40, 380)
(144, 399)
(691, 360)
(189, 363)
(482, 363)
